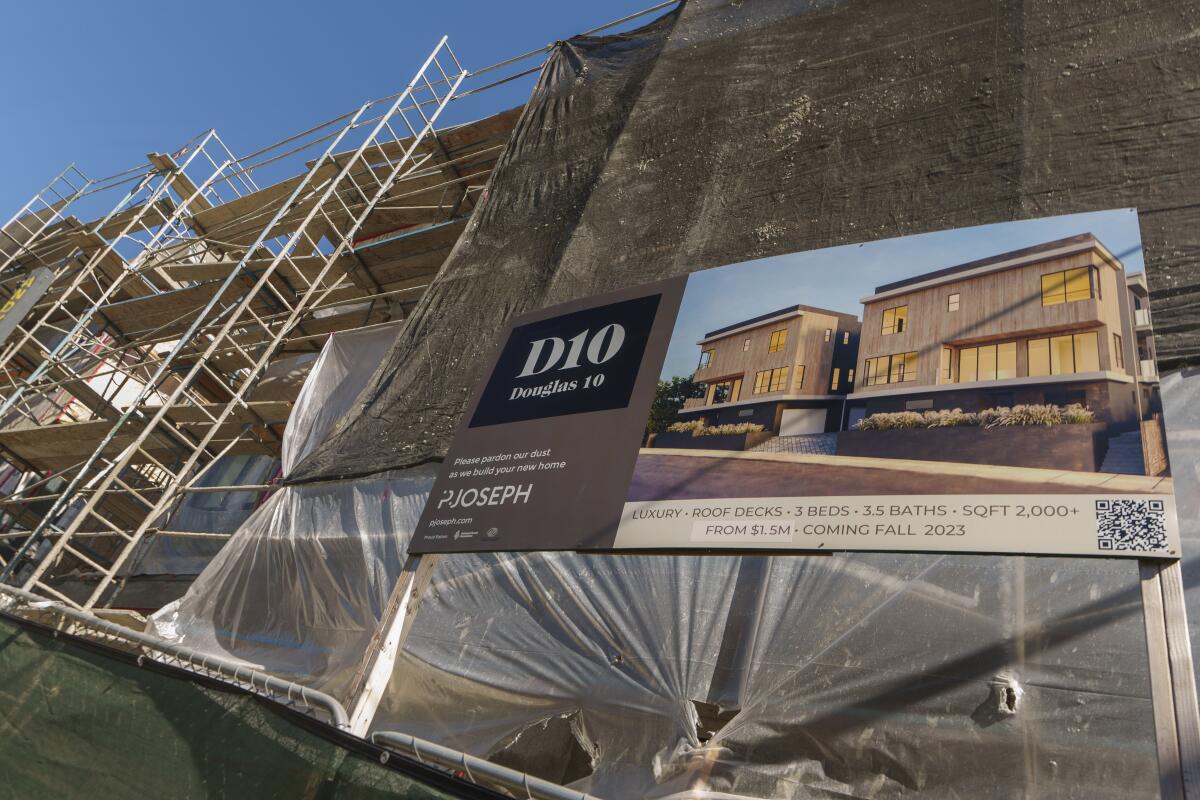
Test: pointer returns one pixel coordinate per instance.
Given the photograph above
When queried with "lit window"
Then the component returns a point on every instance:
(968, 364)
(899, 368)
(779, 378)
(828, 334)
(946, 366)
(799, 377)
(706, 357)
(846, 337)
(1067, 286)
(837, 374)
(850, 377)
(1118, 352)
(1039, 357)
(988, 363)
(1087, 352)
(771, 380)
(1006, 360)
(952, 302)
(895, 320)
(1064, 355)
(778, 340)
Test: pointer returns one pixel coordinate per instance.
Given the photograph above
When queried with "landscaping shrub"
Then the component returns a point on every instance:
(1029, 415)
(1023, 415)
(698, 428)
(1075, 414)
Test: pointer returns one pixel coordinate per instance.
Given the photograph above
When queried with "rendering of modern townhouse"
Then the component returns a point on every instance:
(1027, 367)
(788, 371)
(1058, 324)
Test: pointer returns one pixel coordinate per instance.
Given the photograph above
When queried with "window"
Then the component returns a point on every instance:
(952, 302)
(828, 334)
(946, 366)
(726, 391)
(989, 362)
(1063, 355)
(846, 337)
(778, 340)
(799, 377)
(771, 380)
(1118, 352)
(891, 369)
(968, 365)
(837, 373)
(895, 320)
(918, 405)
(706, 357)
(850, 377)
(1068, 286)
(1039, 357)
(745, 345)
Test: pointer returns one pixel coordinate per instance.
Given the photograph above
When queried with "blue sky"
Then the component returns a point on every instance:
(838, 277)
(102, 84)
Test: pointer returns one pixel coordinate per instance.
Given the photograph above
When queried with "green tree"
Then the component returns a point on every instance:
(668, 399)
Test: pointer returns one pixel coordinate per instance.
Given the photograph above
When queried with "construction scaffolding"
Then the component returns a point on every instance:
(133, 347)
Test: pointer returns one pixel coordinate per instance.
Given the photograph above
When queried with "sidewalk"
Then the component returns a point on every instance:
(678, 474)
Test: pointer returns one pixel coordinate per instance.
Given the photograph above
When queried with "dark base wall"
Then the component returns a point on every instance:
(1072, 447)
(1113, 403)
(769, 415)
(732, 441)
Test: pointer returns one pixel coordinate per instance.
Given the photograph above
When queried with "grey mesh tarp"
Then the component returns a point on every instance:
(727, 132)
(736, 130)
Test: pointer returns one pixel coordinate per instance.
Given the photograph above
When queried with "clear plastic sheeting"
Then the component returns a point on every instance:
(340, 373)
(787, 677)
(299, 588)
(334, 379)
(205, 513)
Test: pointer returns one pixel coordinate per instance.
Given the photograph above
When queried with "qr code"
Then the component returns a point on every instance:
(1131, 525)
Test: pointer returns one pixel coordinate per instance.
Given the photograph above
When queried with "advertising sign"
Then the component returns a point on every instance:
(24, 295)
(988, 389)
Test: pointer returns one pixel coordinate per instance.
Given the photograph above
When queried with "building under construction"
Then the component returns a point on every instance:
(225, 378)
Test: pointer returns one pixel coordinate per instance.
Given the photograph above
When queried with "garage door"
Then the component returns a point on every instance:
(799, 421)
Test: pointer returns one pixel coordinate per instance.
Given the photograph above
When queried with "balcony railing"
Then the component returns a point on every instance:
(1141, 317)
(1147, 369)
(693, 402)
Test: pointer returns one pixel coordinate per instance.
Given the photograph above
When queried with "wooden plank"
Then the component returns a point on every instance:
(184, 186)
(270, 411)
(152, 217)
(1170, 773)
(240, 221)
(170, 313)
(57, 447)
(1183, 675)
(299, 270)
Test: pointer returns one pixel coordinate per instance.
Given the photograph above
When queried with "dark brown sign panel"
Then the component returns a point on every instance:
(551, 439)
